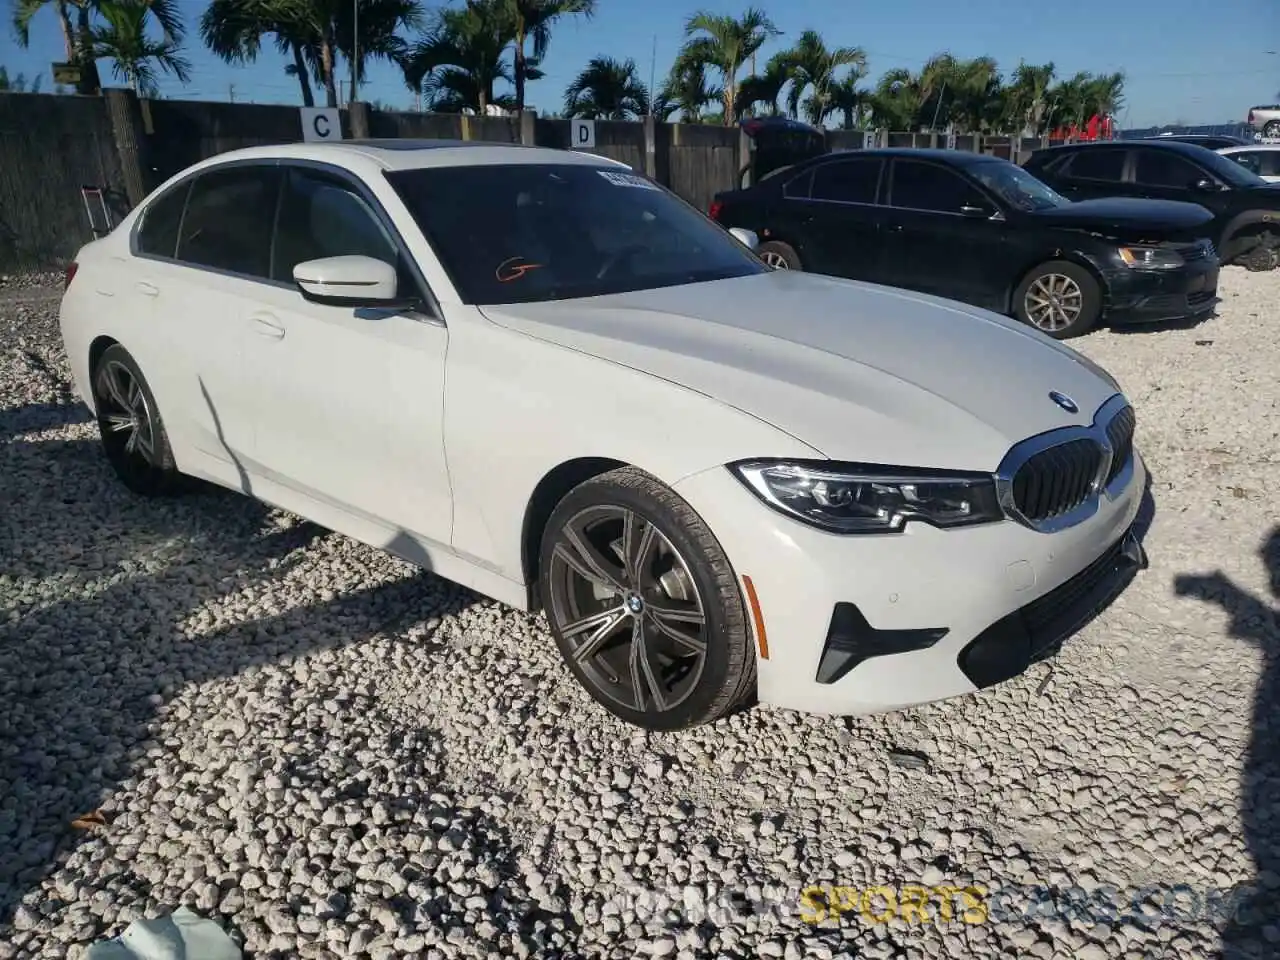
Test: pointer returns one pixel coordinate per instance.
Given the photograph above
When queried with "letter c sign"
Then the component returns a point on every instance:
(321, 123)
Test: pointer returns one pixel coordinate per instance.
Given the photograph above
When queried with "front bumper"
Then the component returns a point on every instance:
(1150, 296)
(926, 614)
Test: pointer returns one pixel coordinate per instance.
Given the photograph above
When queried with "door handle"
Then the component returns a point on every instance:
(147, 289)
(267, 326)
(894, 228)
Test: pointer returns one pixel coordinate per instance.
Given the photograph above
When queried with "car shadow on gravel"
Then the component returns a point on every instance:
(85, 680)
(35, 417)
(1253, 931)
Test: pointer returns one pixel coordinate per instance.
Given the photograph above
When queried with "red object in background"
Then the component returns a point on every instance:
(1099, 127)
(72, 267)
(714, 210)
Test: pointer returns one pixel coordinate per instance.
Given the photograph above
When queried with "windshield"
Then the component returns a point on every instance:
(1228, 170)
(1016, 187)
(517, 233)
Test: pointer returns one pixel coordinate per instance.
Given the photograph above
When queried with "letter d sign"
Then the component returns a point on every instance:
(582, 134)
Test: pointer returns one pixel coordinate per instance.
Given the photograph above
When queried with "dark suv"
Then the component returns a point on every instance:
(981, 230)
(1246, 208)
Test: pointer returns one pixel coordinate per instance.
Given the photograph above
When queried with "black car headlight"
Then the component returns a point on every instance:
(1150, 258)
(857, 498)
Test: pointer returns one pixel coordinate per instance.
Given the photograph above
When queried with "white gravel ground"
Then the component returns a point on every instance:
(335, 755)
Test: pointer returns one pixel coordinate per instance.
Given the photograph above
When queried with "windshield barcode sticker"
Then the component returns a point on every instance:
(626, 180)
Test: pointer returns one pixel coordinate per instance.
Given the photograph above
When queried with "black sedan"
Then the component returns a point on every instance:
(984, 231)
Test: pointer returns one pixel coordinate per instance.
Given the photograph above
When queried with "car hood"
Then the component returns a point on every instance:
(1155, 219)
(855, 370)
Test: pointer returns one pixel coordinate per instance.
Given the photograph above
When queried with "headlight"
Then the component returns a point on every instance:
(853, 498)
(1150, 258)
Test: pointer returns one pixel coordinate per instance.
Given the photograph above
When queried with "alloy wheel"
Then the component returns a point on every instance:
(626, 605)
(124, 413)
(775, 260)
(1054, 302)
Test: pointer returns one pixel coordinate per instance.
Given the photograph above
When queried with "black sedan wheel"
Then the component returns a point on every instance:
(133, 435)
(644, 606)
(1058, 298)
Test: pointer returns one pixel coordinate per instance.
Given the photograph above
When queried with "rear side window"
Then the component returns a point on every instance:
(229, 220)
(1159, 168)
(158, 235)
(1251, 161)
(847, 181)
(321, 216)
(1097, 164)
(927, 186)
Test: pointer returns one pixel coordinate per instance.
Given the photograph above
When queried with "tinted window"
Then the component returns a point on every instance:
(848, 181)
(158, 235)
(322, 216)
(516, 233)
(229, 219)
(1161, 168)
(1251, 161)
(798, 187)
(926, 186)
(1016, 186)
(1095, 164)
(1270, 163)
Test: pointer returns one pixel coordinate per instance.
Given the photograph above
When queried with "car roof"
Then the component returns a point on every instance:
(1175, 146)
(409, 154)
(952, 157)
(1250, 146)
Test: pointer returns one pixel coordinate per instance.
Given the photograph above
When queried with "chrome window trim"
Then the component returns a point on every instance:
(1023, 451)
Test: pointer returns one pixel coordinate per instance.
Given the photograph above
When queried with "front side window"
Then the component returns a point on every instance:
(927, 186)
(158, 234)
(518, 233)
(847, 181)
(1097, 163)
(1251, 160)
(1161, 168)
(321, 216)
(229, 220)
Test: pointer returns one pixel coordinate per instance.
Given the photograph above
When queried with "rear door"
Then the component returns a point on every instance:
(935, 240)
(836, 212)
(1165, 175)
(1092, 172)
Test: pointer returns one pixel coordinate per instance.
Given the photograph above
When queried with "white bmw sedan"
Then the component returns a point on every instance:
(544, 377)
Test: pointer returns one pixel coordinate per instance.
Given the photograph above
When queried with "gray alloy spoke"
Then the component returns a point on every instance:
(642, 676)
(117, 423)
(112, 383)
(666, 618)
(586, 561)
(639, 537)
(603, 625)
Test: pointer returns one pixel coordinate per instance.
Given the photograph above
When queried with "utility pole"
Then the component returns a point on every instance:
(231, 92)
(355, 46)
(653, 66)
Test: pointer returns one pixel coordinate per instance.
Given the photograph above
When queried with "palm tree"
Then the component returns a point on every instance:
(607, 89)
(811, 66)
(688, 91)
(456, 65)
(123, 39)
(234, 29)
(1028, 103)
(763, 90)
(726, 43)
(895, 104)
(533, 19)
(850, 99)
(18, 84)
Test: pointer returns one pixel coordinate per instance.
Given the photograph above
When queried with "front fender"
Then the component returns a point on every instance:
(516, 407)
(1244, 221)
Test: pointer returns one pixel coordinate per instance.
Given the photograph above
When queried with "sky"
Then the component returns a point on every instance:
(1185, 61)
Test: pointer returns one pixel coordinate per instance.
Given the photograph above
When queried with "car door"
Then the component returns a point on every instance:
(199, 280)
(1091, 172)
(349, 401)
(1165, 175)
(837, 215)
(942, 234)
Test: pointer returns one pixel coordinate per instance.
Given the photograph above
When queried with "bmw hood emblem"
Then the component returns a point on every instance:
(1065, 402)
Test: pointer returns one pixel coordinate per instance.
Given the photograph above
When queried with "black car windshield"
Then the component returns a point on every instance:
(1015, 186)
(518, 233)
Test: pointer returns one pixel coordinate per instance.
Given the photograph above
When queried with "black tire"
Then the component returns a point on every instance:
(784, 255)
(1262, 256)
(698, 687)
(140, 455)
(1272, 129)
(1088, 299)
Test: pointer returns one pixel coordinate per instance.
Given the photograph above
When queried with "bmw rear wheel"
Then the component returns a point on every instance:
(1058, 298)
(133, 435)
(644, 605)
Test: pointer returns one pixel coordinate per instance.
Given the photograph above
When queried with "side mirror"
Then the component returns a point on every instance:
(975, 212)
(350, 281)
(747, 238)
(1205, 185)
